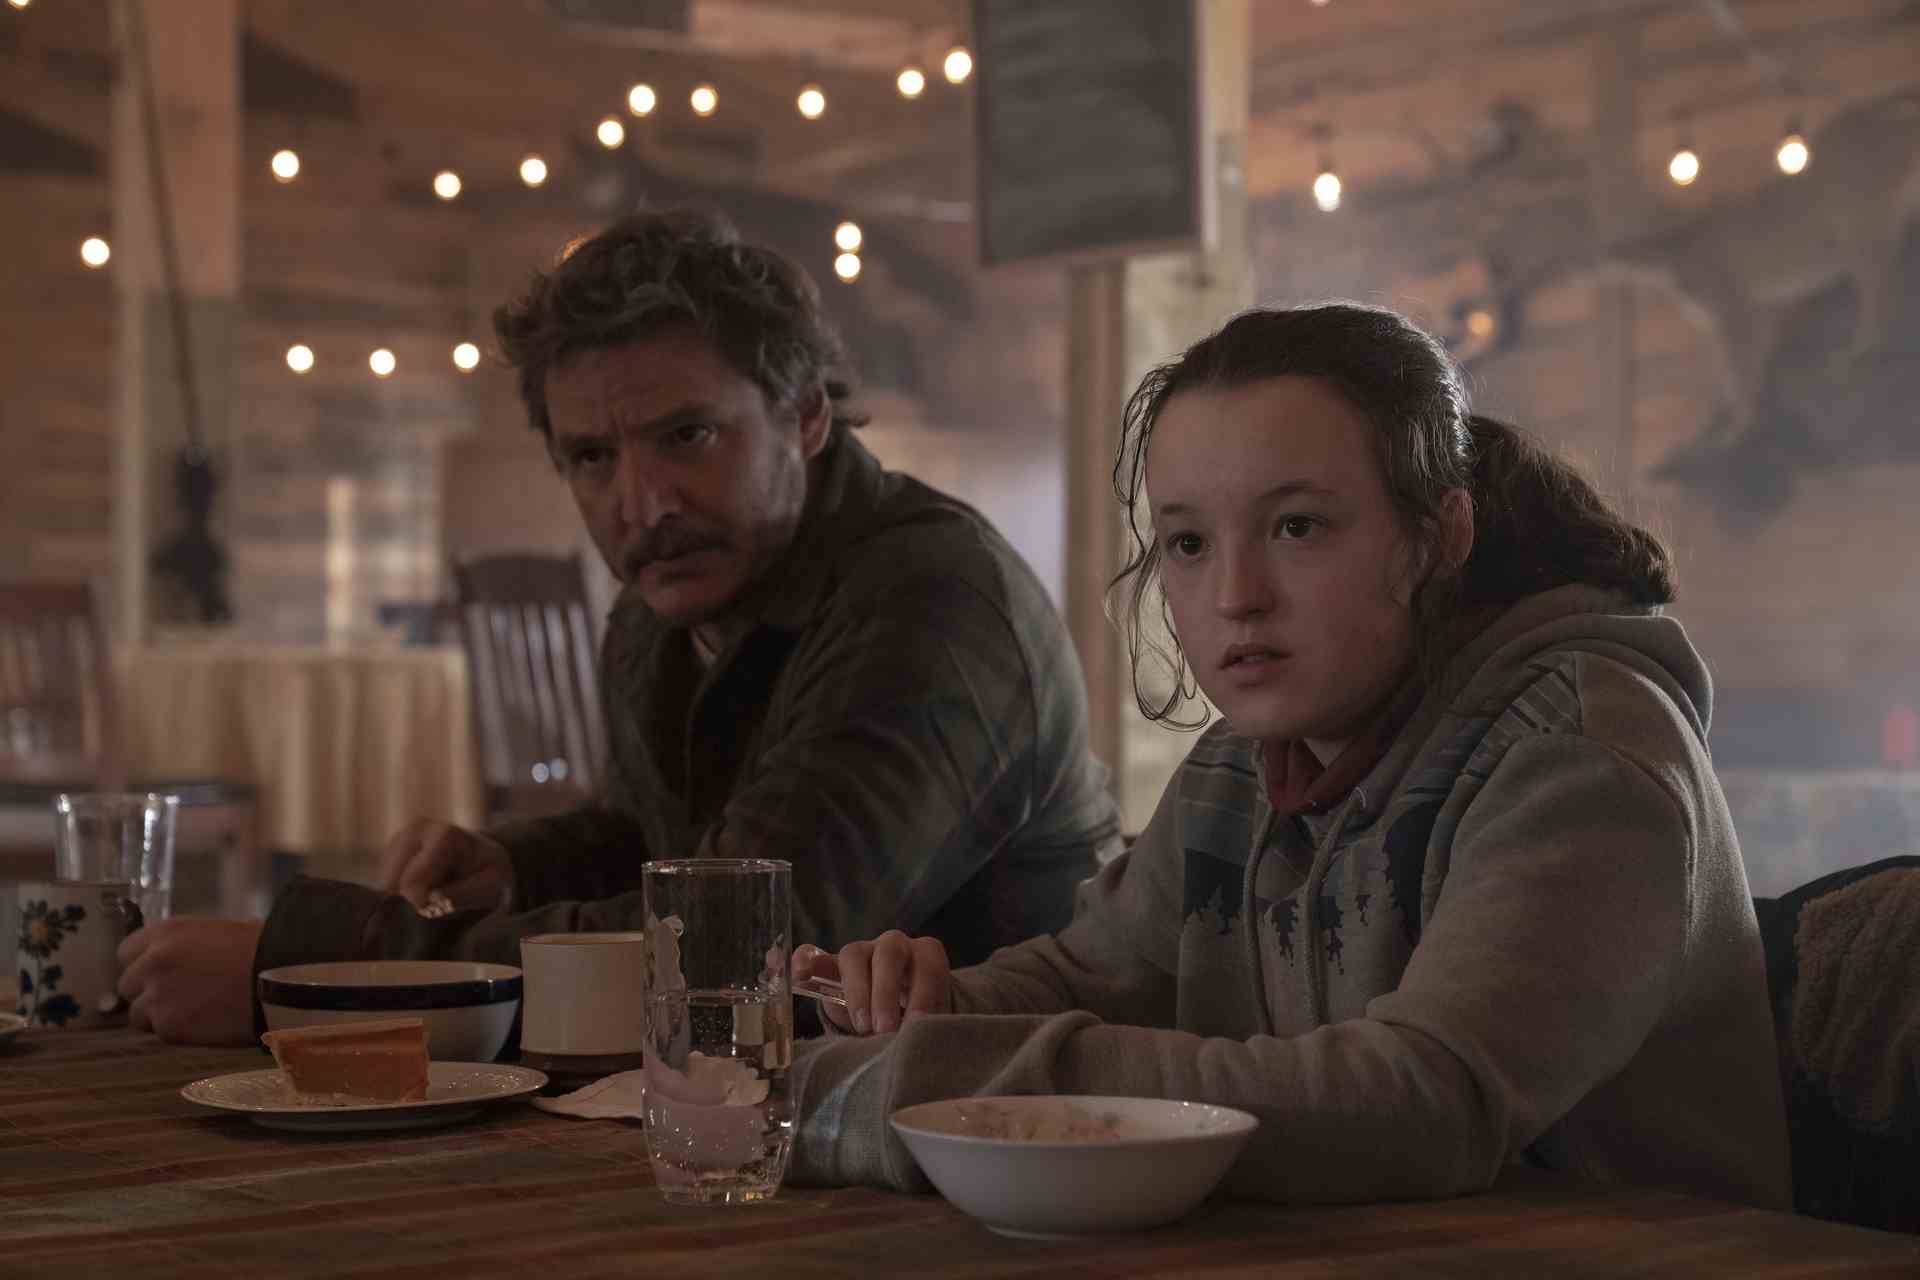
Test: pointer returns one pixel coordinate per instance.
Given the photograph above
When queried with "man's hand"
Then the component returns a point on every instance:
(426, 858)
(892, 977)
(191, 980)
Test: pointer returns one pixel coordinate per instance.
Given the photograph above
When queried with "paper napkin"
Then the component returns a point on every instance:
(619, 1096)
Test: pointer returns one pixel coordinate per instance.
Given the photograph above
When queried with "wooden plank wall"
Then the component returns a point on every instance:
(337, 458)
(56, 354)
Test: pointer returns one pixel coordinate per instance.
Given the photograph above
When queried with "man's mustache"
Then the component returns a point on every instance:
(668, 542)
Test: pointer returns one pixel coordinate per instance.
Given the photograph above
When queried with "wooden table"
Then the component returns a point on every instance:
(105, 1170)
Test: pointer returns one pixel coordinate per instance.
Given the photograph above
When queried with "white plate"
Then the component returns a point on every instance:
(11, 1025)
(455, 1091)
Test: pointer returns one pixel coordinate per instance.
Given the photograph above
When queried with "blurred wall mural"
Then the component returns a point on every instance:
(1738, 361)
(1803, 298)
(1775, 367)
(1808, 294)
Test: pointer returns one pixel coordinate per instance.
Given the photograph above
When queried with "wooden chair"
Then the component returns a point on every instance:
(1850, 1066)
(530, 651)
(59, 732)
(520, 577)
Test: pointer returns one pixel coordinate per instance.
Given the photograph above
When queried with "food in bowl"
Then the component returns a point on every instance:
(1070, 1121)
(384, 1060)
(468, 1007)
(1054, 1167)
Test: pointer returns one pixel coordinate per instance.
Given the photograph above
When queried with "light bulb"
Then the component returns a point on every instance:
(912, 82)
(641, 99)
(466, 357)
(812, 102)
(533, 171)
(94, 251)
(611, 133)
(382, 362)
(446, 184)
(1684, 167)
(847, 267)
(300, 357)
(958, 66)
(1326, 191)
(848, 236)
(704, 100)
(286, 165)
(19, 4)
(1793, 155)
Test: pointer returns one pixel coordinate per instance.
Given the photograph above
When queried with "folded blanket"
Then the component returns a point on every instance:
(1856, 1007)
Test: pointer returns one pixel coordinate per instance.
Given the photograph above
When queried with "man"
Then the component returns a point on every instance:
(811, 658)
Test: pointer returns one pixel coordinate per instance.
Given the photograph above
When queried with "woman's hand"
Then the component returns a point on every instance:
(886, 980)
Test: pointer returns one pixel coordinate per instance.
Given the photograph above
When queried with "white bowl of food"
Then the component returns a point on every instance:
(1073, 1165)
(468, 1006)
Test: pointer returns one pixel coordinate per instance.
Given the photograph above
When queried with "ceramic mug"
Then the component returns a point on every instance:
(70, 936)
(583, 1002)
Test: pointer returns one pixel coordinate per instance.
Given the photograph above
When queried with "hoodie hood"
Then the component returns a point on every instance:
(1590, 620)
(1487, 672)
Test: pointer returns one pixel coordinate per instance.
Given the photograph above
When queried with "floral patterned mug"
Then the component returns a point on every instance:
(70, 935)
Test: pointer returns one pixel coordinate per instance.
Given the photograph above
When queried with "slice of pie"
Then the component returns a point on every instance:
(379, 1061)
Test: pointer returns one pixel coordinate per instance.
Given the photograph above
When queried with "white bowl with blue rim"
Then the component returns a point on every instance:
(468, 1006)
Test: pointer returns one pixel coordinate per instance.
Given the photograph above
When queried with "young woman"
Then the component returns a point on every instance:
(1450, 885)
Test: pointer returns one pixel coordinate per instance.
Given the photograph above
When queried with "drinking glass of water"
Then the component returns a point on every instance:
(104, 837)
(719, 1027)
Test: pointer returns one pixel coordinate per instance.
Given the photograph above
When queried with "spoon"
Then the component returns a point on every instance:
(825, 990)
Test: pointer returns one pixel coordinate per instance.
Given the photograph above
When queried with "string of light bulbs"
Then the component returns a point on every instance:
(1792, 155)
(642, 100)
(848, 238)
(383, 363)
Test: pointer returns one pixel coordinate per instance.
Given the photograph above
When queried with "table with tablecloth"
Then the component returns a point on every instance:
(344, 744)
(106, 1170)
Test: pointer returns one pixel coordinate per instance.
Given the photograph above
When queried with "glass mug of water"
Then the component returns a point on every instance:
(104, 837)
(719, 1027)
(112, 870)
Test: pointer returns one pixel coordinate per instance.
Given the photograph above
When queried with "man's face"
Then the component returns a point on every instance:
(1284, 565)
(690, 483)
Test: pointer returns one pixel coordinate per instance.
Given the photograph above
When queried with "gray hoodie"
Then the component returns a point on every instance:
(1526, 936)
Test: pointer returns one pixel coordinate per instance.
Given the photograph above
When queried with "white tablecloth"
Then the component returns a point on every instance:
(345, 744)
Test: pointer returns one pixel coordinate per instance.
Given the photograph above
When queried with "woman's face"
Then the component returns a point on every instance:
(1288, 575)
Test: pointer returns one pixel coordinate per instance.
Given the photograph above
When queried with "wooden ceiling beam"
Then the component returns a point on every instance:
(31, 87)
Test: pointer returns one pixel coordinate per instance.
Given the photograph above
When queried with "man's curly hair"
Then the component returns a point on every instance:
(676, 270)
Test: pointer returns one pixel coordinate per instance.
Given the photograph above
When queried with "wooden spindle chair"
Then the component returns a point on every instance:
(529, 636)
